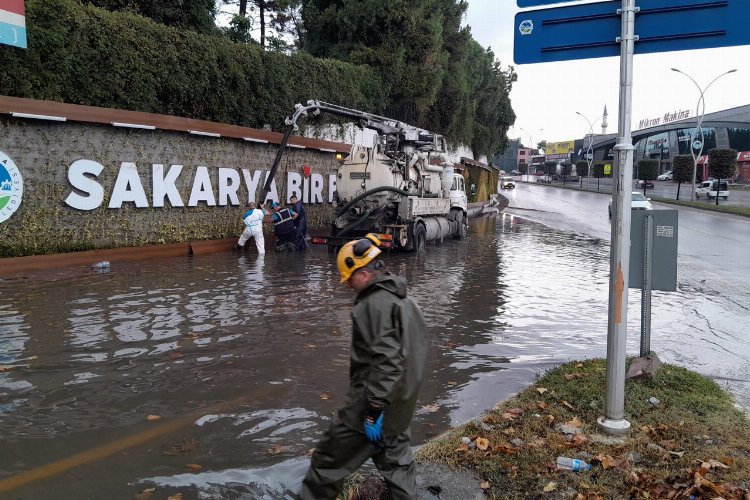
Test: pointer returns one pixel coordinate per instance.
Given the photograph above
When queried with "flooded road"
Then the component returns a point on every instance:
(245, 359)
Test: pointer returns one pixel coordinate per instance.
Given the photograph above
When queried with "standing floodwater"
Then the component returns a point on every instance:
(240, 361)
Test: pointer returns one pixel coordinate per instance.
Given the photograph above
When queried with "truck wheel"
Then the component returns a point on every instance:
(420, 239)
(461, 221)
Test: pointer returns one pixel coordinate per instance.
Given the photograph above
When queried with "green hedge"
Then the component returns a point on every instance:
(85, 55)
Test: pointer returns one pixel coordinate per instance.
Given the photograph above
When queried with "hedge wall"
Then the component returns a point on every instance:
(85, 55)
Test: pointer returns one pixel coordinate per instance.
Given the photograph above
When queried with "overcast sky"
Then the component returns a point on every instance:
(547, 96)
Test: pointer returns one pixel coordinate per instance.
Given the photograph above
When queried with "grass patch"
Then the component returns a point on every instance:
(727, 209)
(693, 442)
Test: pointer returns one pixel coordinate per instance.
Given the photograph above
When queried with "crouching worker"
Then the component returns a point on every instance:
(387, 365)
(253, 220)
(283, 228)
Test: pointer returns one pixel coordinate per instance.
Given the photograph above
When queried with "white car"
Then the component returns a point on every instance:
(637, 202)
(666, 176)
(708, 189)
(507, 183)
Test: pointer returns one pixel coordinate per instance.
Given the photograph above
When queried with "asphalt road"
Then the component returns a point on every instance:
(668, 189)
(719, 242)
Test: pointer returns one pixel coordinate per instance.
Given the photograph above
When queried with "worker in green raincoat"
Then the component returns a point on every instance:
(387, 365)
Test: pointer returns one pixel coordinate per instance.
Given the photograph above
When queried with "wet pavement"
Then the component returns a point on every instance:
(245, 359)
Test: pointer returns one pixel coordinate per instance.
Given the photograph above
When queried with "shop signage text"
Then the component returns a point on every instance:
(667, 118)
(128, 187)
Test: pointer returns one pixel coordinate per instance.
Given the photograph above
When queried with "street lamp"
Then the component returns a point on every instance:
(531, 146)
(700, 110)
(590, 150)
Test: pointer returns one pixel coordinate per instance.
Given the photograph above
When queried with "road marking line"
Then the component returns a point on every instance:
(118, 445)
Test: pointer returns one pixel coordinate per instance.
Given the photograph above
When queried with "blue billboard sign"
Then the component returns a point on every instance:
(13, 23)
(590, 30)
(537, 3)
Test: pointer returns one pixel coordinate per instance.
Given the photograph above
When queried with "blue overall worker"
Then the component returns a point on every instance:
(253, 220)
(283, 228)
(387, 365)
(301, 221)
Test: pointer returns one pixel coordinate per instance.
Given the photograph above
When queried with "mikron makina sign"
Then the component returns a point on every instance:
(667, 118)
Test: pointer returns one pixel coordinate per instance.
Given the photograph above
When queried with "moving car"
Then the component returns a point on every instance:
(708, 189)
(637, 202)
(649, 184)
(507, 183)
(666, 176)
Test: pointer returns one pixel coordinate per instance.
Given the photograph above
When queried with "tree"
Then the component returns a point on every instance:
(598, 172)
(682, 170)
(550, 168)
(196, 15)
(648, 170)
(541, 144)
(523, 167)
(582, 170)
(722, 163)
(274, 13)
(566, 168)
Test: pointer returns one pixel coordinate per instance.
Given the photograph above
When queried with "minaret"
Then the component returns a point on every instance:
(604, 121)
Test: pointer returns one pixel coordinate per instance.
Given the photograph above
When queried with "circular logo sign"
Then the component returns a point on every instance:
(697, 144)
(11, 187)
(526, 27)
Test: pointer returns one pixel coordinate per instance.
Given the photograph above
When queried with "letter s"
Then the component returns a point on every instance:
(78, 179)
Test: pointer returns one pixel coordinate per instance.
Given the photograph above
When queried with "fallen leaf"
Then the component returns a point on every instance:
(153, 418)
(228, 363)
(309, 346)
(482, 443)
(452, 382)
(276, 449)
(541, 390)
(7, 368)
(485, 485)
(516, 411)
(194, 467)
(567, 405)
(712, 464)
(325, 396)
(542, 405)
(550, 419)
(537, 443)
(176, 496)
(463, 447)
(573, 376)
(677, 453)
(429, 408)
(509, 416)
(310, 452)
(176, 355)
(145, 494)
(186, 446)
(578, 439)
(509, 431)
(606, 461)
(576, 422)
(550, 487)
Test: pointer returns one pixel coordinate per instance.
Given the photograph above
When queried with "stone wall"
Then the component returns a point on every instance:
(44, 151)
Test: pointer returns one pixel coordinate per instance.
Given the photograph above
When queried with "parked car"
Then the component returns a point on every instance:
(649, 184)
(507, 183)
(516, 172)
(544, 179)
(637, 202)
(708, 189)
(666, 176)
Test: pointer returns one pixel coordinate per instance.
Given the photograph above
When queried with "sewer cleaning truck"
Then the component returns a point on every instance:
(400, 187)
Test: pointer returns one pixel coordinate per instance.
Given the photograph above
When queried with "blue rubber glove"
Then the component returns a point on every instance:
(374, 428)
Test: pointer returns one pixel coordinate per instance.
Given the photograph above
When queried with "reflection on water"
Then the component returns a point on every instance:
(178, 337)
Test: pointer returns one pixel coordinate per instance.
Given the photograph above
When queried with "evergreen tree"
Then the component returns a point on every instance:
(196, 15)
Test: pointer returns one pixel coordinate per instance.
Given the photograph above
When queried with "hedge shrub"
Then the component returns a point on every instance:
(85, 55)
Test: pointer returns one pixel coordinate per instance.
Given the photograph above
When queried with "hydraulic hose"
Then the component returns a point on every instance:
(354, 224)
(368, 193)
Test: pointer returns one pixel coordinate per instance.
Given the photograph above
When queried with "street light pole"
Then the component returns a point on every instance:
(590, 150)
(531, 146)
(700, 111)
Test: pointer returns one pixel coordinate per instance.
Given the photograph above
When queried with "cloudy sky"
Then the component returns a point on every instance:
(547, 96)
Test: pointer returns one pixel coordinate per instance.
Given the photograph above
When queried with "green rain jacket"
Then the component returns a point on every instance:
(388, 355)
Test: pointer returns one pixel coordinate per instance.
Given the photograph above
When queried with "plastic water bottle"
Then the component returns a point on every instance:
(572, 464)
(101, 265)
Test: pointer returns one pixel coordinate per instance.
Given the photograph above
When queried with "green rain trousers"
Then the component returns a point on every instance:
(341, 452)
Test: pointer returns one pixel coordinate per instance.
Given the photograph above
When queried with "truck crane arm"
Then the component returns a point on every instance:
(421, 139)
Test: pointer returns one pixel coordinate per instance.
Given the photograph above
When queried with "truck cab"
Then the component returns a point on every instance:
(458, 193)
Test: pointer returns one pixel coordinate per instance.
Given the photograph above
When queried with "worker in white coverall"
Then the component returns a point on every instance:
(253, 220)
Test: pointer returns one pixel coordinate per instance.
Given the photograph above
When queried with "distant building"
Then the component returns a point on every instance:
(726, 129)
(508, 161)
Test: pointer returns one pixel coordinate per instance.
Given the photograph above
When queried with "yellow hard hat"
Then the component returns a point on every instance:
(356, 254)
